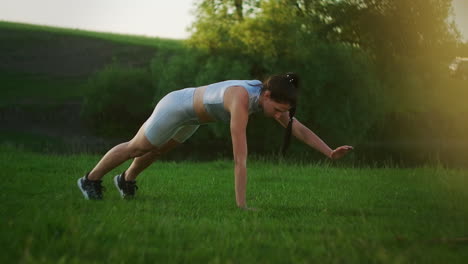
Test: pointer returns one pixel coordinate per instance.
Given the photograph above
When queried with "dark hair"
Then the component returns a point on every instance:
(284, 89)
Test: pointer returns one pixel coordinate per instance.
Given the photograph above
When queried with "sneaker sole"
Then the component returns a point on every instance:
(85, 194)
(116, 183)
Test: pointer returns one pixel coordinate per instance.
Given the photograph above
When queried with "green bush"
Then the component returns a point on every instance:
(118, 101)
(343, 99)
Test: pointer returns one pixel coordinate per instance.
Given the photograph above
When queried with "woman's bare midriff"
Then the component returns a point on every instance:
(200, 111)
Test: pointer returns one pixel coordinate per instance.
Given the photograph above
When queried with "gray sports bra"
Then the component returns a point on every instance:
(213, 99)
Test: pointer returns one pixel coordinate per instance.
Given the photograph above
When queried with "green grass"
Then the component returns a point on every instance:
(185, 212)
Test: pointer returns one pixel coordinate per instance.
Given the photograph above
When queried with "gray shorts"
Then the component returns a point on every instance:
(172, 118)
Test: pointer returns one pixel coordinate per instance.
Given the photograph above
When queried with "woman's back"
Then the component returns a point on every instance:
(213, 97)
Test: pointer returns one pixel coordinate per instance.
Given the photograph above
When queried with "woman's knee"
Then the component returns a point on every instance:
(139, 145)
(136, 149)
(135, 153)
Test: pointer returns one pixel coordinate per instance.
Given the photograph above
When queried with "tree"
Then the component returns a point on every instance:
(387, 28)
(396, 28)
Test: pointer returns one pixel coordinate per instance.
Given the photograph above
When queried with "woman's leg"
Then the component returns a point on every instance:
(141, 163)
(136, 147)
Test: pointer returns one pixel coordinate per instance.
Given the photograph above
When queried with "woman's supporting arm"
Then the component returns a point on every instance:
(238, 106)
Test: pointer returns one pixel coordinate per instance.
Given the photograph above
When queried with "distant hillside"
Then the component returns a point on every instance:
(63, 52)
(42, 75)
(48, 64)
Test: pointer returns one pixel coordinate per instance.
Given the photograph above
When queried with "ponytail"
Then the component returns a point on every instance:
(284, 88)
(287, 135)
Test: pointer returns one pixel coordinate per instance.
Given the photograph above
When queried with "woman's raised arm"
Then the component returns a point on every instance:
(307, 136)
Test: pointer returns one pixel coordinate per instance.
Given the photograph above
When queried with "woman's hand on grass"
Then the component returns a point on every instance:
(340, 152)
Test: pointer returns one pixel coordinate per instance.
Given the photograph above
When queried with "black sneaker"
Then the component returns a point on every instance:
(92, 190)
(127, 189)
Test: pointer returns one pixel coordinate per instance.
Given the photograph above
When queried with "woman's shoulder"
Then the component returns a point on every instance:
(229, 83)
(254, 82)
(239, 82)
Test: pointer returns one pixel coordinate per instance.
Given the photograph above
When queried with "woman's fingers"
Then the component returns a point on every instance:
(344, 148)
(341, 151)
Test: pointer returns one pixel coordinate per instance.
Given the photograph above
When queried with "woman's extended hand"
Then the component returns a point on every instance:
(340, 152)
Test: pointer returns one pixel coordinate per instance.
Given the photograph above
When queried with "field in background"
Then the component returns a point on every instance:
(44, 72)
(42, 65)
(121, 38)
(43, 76)
(185, 212)
(37, 89)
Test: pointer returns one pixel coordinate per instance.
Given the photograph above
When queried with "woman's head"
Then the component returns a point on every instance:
(283, 88)
(280, 95)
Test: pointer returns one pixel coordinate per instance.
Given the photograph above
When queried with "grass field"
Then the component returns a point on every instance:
(185, 212)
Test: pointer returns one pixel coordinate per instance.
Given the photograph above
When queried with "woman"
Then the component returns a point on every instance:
(178, 115)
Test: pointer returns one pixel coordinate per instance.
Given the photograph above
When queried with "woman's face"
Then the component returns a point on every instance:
(272, 108)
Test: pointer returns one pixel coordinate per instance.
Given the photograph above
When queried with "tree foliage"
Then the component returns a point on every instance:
(371, 71)
(271, 28)
(362, 61)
